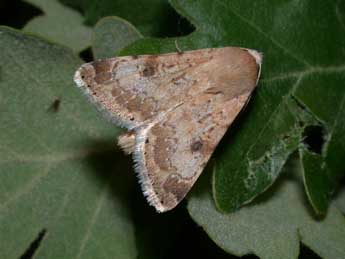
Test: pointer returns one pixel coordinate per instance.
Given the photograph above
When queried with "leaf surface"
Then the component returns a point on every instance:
(151, 17)
(60, 172)
(273, 225)
(60, 24)
(301, 85)
(110, 35)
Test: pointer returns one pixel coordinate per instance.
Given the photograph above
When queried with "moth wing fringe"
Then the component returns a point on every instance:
(101, 108)
(141, 171)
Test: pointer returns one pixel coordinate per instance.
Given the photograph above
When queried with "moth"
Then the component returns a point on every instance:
(176, 107)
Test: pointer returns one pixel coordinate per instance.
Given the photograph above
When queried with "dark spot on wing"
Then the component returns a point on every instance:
(149, 70)
(150, 66)
(196, 146)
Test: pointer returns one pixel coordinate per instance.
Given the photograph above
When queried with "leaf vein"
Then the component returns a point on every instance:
(259, 30)
(320, 70)
(56, 157)
(338, 15)
(92, 221)
(27, 188)
(336, 120)
(268, 122)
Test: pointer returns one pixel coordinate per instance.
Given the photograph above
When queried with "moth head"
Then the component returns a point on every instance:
(258, 58)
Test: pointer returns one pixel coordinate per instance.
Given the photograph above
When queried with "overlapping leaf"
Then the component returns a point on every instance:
(110, 35)
(274, 225)
(57, 156)
(303, 61)
(150, 17)
(60, 24)
(301, 85)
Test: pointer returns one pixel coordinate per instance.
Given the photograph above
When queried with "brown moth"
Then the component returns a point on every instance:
(176, 108)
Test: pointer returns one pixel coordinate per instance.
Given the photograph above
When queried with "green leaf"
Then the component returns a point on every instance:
(57, 154)
(340, 201)
(322, 171)
(150, 17)
(110, 35)
(275, 224)
(301, 85)
(59, 170)
(60, 24)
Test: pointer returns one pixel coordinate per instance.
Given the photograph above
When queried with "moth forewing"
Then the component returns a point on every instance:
(177, 107)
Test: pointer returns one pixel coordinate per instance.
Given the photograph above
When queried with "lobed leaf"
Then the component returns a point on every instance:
(60, 24)
(301, 86)
(273, 225)
(60, 172)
